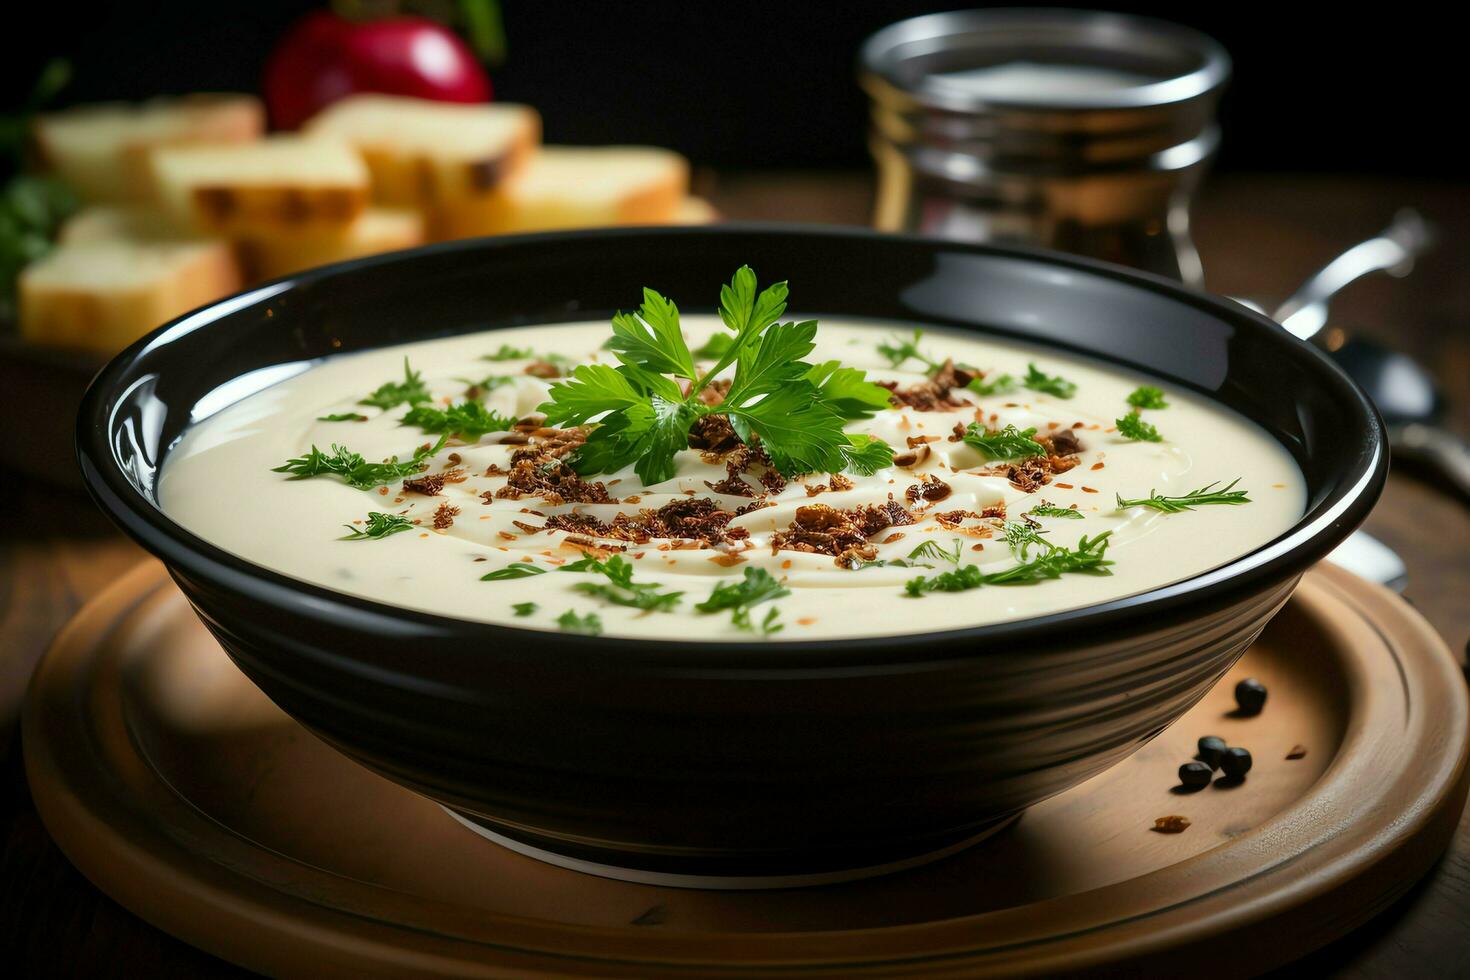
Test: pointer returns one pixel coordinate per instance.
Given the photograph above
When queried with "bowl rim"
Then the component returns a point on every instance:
(1346, 503)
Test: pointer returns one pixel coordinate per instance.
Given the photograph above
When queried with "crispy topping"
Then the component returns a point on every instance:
(912, 458)
(444, 516)
(934, 395)
(836, 482)
(543, 369)
(843, 534)
(539, 470)
(430, 485)
(931, 490)
(697, 519)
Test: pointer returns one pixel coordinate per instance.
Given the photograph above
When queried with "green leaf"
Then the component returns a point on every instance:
(772, 360)
(468, 420)
(516, 569)
(651, 339)
(1048, 384)
(740, 618)
(1204, 495)
(936, 552)
(390, 394)
(1147, 396)
(593, 389)
(716, 347)
(1087, 559)
(525, 608)
(1008, 443)
(999, 384)
(756, 586)
(378, 526)
(666, 434)
(343, 417)
(866, 455)
(1047, 510)
(588, 625)
(509, 353)
(847, 391)
(798, 432)
(356, 471)
(1132, 427)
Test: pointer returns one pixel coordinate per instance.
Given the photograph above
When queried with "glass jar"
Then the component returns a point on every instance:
(1080, 131)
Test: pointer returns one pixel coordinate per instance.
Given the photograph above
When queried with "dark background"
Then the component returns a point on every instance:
(1336, 88)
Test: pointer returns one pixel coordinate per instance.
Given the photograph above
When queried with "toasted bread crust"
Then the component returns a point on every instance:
(272, 209)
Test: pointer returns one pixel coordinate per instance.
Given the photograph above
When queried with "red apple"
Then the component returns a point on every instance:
(324, 57)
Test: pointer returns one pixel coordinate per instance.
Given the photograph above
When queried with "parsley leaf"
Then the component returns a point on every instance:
(378, 526)
(509, 353)
(1048, 384)
(588, 625)
(1147, 396)
(389, 394)
(997, 384)
(757, 586)
(740, 618)
(525, 608)
(866, 455)
(1136, 429)
(356, 471)
(623, 591)
(898, 350)
(1087, 558)
(1203, 495)
(486, 384)
(1008, 443)
(797, 410)
(468, 420)
(1045, 509)
(516, 569)
(342, 417)
(932, 549)
(715, 347)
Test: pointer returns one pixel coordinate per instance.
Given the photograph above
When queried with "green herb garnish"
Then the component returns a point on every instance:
(1048, 384)
(899, 350)
(756, 586)
(1132, 427)
(411, 390)
(509, 353)
(1045, 509)
(488, 383)
(525, 608)
(1147, 396)
(1022, 537)
(1087, 558)
(467, 420)
(999, 384)
(1008, 443)
(932, 549)
(356, 471)
(622, 591)
(516, 569)
(378, 526)
(714, 348)
(1204, 495)
(741, 620)
(342, 417)
(588, 625)
(643, 415)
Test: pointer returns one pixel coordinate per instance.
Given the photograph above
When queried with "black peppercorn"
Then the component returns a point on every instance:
(1210, 748)
(1250, 694)
(1235, 762)
(1195, 775)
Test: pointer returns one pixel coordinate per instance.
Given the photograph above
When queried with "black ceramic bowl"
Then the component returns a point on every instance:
(742, 759)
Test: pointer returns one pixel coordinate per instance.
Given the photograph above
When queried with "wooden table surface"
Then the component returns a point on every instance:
(1260, 237)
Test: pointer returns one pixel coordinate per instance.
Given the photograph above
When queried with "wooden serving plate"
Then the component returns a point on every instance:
(172, 783)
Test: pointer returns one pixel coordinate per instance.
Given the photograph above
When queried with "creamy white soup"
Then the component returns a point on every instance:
(1014, 482)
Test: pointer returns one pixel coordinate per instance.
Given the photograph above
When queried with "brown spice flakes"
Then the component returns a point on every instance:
(382, 491)
(699, 520)
(528, 528)
(539, 470)
(912, 458)
(1297, 752)
(935, 394)
(843, 534)
(1098, 465)
(728, 561)
(1173, 824)
(713, 434)
(444, 516)
(836, 482)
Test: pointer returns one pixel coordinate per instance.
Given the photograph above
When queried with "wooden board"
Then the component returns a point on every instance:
(177, 788)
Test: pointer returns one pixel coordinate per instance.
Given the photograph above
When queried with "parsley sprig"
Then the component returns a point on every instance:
(1045, 509)
(622, 591)
(588, 625)
(1007, 443)
(756, 586)
(390, 394)
(356, 471)
(1048, 384)
(1136, 429)
(468, 420)
(897, 350)
(1147, 396)
(378, 525)
(516, 569)
(1053, 562)
(992, 384)
(1204, 495)
(644, 413)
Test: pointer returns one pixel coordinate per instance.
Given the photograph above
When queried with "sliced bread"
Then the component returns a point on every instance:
(428, 154)
(575, 187)
(375, 230)
(103, 295)
(120, 222)
(277, 185)
(101, 151)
